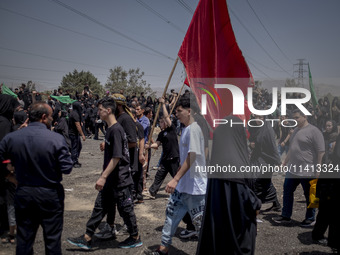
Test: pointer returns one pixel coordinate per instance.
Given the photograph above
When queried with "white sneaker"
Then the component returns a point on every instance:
(122, 231)
(188, 233)
(148, 194)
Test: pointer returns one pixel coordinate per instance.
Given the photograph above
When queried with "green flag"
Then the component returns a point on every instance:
(311, 89)
(6, 91)
(64, 99)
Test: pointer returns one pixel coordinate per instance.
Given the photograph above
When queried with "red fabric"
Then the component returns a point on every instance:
(210, 50)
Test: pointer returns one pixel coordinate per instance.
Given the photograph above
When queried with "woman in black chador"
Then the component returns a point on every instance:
(264, 153)
(229, 220)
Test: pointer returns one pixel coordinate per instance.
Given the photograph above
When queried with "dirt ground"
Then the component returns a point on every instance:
(80, 196)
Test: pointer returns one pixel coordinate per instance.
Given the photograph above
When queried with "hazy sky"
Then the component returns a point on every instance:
(43, 40)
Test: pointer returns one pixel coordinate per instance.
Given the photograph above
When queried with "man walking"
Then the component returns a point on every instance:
(306, 150)
(39, 157)
(113, 184)
(188, 187)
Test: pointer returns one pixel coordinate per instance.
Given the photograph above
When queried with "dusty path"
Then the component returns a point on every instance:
(80, 195)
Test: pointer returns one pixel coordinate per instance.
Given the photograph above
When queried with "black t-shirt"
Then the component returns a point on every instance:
(129, 127)
(116, 147)
(140, 130)
(168, 138)
(74, 117)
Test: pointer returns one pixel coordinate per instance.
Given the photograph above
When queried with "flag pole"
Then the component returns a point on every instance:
(145, 166)
(164, 92)
(179, 94)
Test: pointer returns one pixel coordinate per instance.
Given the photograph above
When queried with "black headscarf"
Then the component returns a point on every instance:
(330, 137)
(7, 106)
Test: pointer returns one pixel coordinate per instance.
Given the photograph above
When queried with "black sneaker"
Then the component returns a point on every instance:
(107, 232)
(156, 252)
(80, 242)
(130, 242)
(139, 199)
(322, 241)
(281, 219)
(335, 250)
(275, 208)
(307, 223)
(77, 165)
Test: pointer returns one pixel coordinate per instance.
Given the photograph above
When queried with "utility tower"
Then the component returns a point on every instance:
(300, 71)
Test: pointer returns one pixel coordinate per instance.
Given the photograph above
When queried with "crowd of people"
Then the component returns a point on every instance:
(220, 210)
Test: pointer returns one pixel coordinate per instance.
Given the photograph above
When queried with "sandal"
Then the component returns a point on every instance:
(8, 239)
(11, 239)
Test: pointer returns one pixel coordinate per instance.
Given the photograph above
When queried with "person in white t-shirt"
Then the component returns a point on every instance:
(188, 187)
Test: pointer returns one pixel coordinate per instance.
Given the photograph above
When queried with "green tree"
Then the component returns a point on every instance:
(129, 81)
(117, 80)
(258, 84)
(76, 81)
(291, 83)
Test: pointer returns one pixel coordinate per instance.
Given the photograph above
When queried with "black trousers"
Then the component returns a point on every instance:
(36, 206)
(137, 178)
(76, 147)
(98, 126)
(166, 166)
(105, 204)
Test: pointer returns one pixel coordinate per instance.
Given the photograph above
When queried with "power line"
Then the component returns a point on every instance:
(185, 6)
(271, 79)
(59, 71)
(76, 32)
(53, 58)
(257, 62)
(32, 68)
(159, 15)
(43, 69)
(19, 78)
(109, 28)
(239, 20)
(268, 32)
(259, 69)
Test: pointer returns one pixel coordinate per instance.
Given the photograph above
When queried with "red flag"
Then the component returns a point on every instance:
(210, 55)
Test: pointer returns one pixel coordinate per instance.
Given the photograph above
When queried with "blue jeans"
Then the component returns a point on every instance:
(281, 149)
(179, 204)
(289, 187)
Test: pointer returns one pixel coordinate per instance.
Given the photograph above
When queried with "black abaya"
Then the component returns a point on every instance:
(229, 220)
